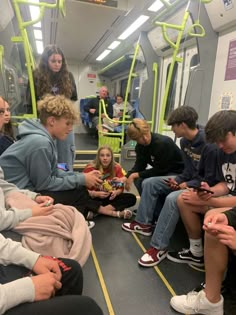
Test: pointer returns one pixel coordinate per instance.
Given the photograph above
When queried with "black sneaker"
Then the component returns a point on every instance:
(186, 257)
(200, 287)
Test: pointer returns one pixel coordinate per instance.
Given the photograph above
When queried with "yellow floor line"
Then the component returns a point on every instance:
(160, 274)
(102, 283)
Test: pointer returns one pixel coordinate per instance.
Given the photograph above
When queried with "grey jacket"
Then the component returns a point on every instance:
(31, 162)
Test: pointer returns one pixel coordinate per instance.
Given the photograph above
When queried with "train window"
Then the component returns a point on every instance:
(135, 89)
(170, 104)
(194, 61)
(123, 87)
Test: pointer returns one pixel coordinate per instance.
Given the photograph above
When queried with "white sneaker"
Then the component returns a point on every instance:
(91, 224)
(196, 303)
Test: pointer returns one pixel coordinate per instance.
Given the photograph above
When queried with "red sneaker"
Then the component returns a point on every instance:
(152, 257)
(144, 229)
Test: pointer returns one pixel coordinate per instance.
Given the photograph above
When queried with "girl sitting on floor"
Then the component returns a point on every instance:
(114, 201)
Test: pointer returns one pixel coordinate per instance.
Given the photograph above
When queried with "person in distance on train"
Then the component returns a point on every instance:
(118, 109)
(219, 247)
(6, 130)
(199, 160)
(115, 202)
(153, 149)
(52, 77)
(220, 129)
(93, 106)
(31, 162)
(34, 284)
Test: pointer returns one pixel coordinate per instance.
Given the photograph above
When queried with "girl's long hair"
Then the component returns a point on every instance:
(44, 78)
(7, 129)
(97, 164)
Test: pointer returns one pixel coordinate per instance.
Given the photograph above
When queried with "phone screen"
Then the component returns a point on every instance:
(63, 166)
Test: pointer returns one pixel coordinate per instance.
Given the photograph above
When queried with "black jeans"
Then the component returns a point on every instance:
(67, 299)
(78, 198)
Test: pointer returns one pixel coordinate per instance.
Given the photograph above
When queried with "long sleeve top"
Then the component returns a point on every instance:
(21, 290)
(162, 154)
(94, 104)
(31, 162)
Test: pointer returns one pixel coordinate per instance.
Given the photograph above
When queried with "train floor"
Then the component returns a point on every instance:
(120, 286)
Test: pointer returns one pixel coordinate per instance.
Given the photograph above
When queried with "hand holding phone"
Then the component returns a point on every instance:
(171, 183)
(201, 189)
(105, 176)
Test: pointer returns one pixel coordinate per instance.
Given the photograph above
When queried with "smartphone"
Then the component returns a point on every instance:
(204, 189)
(105, 176)
(198, 188)
(167, 181)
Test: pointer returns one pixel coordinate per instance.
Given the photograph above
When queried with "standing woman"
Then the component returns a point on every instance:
(6, 130)
(53, 77)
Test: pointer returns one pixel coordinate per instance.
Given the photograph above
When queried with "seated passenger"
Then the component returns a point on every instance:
(6, 130)
(220, 237)
(31, 162)
(11, 216)
(183, 121)
(93, 107)
(118, 109)
(221, 129)
(114, 201)
(33, 284)
(158, 151)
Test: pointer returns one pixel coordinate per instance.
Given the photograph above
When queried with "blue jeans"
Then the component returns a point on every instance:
(154, 190)
(166, 222)
(151, 206)
(66, 150)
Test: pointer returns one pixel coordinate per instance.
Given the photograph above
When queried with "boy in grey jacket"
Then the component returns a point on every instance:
(31, 162)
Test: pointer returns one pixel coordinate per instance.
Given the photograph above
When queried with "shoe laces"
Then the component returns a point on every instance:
(194, 300)
(152, 252)
(184, 251)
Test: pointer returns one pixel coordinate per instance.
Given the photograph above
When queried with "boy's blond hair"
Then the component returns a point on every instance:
(138, 128)
(57, 106)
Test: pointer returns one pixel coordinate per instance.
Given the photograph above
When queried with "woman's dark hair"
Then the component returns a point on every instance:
(8, 130)
(220, 124)
(183, 114)
(44, 77)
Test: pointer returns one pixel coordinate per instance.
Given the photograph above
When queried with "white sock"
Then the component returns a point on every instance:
(196, 247)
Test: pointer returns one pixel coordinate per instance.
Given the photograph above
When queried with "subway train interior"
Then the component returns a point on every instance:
(159, 55)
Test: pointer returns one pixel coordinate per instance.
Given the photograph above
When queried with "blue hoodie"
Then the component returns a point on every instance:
(192, 152)
(31, 162)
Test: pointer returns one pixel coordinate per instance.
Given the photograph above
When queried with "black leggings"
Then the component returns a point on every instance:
(78, 198)
(122, 201)
(59, 305)
(68, 299)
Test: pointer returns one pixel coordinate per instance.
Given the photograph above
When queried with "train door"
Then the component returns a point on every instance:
(179, 81)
